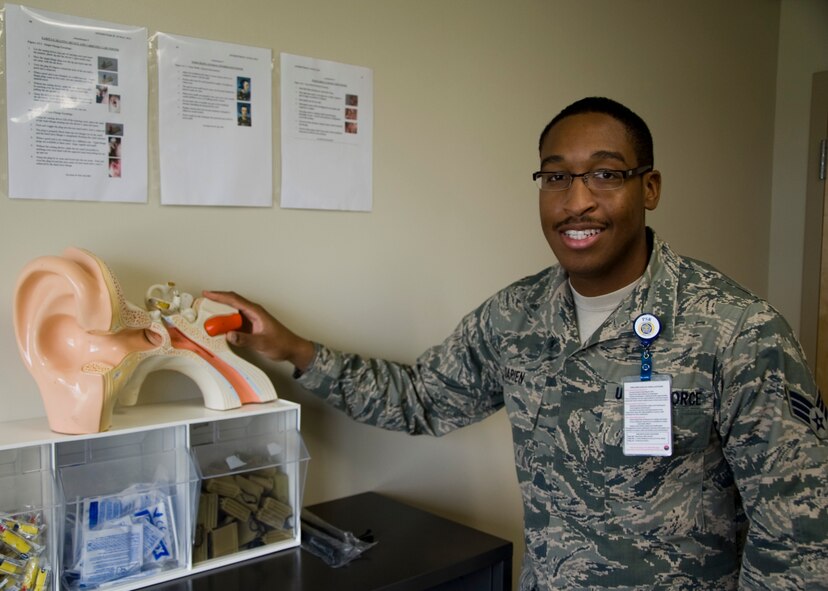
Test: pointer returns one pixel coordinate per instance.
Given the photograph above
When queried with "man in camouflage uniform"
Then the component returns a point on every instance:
(740, 502)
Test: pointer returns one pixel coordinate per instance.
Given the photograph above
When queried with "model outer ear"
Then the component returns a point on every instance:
(73, 328)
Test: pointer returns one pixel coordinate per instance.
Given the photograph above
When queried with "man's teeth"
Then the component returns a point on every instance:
(581, 234)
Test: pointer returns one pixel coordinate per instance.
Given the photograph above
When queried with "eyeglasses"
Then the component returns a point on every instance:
(600, 180)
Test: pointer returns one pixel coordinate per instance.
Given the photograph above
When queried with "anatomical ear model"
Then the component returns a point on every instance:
(88, 348)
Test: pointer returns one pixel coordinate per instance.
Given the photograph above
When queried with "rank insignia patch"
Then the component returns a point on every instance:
(815, 415)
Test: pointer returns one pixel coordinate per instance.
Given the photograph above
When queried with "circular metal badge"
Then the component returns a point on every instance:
(647, 327)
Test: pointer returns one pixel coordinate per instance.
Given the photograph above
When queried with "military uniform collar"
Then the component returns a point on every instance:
(656, 294)
(551, 300)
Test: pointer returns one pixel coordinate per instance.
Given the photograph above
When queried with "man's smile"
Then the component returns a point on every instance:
(581, 234)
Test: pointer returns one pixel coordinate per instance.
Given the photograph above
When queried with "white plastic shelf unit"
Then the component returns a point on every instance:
(173, 489)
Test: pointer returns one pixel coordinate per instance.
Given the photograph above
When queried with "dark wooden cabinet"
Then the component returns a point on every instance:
(415, 551)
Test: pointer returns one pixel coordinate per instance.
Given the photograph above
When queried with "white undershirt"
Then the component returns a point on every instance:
(593, 311)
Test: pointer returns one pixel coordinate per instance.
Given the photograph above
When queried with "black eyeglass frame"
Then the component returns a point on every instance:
(572, 176)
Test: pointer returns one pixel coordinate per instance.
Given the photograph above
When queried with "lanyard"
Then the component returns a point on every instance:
(646, 328)
(646, 362)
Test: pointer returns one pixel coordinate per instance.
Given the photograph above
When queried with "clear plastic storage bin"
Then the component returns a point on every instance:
(129, 503)
(27, 516)
(252, 472)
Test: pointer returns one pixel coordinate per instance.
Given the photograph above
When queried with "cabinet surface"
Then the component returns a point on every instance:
(415, 551)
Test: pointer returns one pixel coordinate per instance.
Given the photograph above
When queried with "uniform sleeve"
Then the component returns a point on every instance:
(451, 385)
(773, 430)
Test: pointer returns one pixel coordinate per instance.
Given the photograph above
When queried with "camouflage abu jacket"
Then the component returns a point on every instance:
(741, 503)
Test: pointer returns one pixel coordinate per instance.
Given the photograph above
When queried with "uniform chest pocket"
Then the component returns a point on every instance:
(692, 419)
(691, 428)
(660, 495)
(533, 406)
(529, 392)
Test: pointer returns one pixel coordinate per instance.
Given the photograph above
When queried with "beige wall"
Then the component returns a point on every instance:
(462, 90)
(803, 51)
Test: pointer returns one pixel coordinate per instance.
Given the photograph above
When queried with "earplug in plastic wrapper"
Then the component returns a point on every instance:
(335, 547)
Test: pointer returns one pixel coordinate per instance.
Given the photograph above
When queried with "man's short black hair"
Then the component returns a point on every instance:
(637, 130)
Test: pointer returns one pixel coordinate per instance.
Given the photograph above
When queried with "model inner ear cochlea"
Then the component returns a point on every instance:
(89, 348)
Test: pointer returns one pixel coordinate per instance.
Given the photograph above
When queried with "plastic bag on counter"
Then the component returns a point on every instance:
(334, 546)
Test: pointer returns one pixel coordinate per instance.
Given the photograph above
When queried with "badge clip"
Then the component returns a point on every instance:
(647, 327)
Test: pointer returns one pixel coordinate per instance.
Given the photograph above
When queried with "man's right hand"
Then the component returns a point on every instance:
(262, 333)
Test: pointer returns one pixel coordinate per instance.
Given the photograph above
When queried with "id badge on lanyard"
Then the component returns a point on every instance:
(648, 416)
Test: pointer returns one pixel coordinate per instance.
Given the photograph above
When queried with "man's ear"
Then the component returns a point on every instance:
(652, 189)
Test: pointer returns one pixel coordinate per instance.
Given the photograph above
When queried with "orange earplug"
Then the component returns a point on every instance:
(222, 324)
